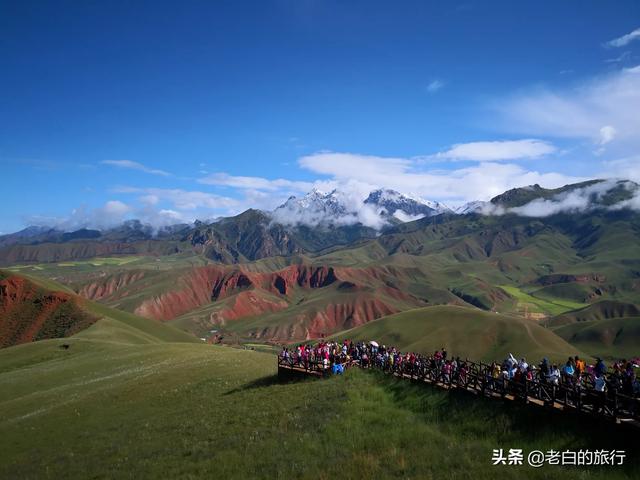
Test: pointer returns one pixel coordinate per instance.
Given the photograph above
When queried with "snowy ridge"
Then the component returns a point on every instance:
(381, 207)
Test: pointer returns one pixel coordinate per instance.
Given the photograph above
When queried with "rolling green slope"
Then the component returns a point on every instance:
(607, 329)
(467, 332)
(117, 326)
(176, 410)
(598, 311)
(612, 338)
(534, 303)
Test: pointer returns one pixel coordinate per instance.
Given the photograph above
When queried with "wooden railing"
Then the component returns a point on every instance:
(477, 379)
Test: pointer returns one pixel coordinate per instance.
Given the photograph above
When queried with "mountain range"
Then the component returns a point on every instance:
(312, 224)
(529, 252)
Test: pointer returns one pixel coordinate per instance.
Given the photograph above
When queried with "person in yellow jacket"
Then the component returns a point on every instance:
(580, 366)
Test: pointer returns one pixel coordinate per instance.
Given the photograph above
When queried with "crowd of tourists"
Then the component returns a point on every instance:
(439, 366)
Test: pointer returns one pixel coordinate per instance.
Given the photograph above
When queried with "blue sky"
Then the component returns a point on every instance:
(171, 111)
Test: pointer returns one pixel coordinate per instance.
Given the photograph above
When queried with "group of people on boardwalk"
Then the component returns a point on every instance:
(575, 373)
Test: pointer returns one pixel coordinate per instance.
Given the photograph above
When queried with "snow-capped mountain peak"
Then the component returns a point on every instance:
(476, 206)
(392, 201)
(380, 207)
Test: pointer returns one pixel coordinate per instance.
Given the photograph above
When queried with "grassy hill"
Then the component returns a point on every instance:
(604, 310)
(108, 409)
(612, 338)
(607, 329)
(467, 332)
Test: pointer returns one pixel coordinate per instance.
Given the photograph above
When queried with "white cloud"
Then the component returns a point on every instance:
(607, 134)
(626, 167)
(112, 213)
(577, 201)
(255, 183)
(183, 199)
(620, 58)
(481, 181)
(435, 85)
(135, 166)
(405, 217)
(624, 39)
(612, 101)
(498, 150)
(149, 199)
(163, 217)
(355, 166)
(115, 208)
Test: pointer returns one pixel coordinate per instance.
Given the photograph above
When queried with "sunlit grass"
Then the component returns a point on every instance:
(539, 305)
(167, 410)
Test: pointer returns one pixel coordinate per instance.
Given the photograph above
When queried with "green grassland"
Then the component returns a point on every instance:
(612, 338)
(76, 273)
(466, 332)
(607, 329)
(135, 398)
(115, 408)
(535, 304)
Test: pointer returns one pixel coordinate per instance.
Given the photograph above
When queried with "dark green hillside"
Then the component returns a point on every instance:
(604, 310)
(516, 197)
(612, 338)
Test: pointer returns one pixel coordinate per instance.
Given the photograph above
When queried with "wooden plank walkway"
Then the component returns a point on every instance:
(612, 406)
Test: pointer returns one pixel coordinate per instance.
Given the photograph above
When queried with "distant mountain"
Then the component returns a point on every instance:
(403, 207)
(320, 221)
(255, 234)
(314, 208)
(29, 234)
(603, 193)
(380, 207)
(470, 207)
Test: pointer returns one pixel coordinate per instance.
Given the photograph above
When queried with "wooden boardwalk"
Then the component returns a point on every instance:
(611, 405)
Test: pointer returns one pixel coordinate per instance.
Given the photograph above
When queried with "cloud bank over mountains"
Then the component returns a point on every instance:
(578, 200)
(376, 209)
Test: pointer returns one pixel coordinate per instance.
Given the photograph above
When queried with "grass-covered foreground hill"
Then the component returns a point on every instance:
(127, 408)
(466, 332)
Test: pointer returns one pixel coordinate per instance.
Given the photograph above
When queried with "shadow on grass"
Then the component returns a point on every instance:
(269, 381)
(508, 422)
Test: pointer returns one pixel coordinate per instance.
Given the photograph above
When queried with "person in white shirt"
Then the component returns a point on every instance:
(599, 383)
(523, 365)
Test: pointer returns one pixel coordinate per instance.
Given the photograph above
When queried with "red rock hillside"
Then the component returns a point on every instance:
(29, 312)
(212, 283)
(285, 299)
